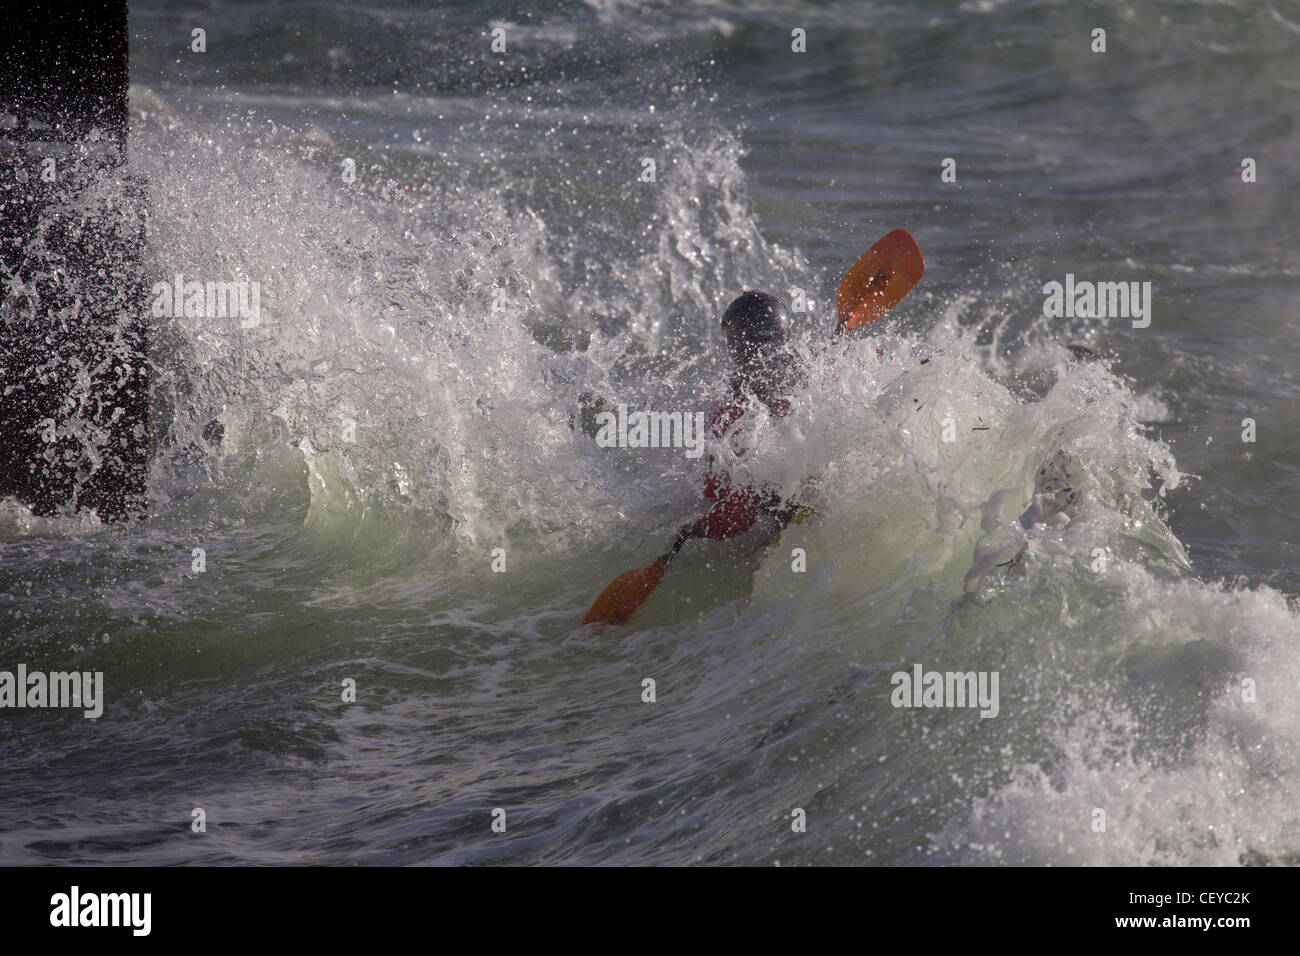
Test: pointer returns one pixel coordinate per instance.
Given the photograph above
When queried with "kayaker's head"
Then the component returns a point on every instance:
(758, 339)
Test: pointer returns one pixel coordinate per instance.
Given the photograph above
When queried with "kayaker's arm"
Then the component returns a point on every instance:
(735, 513)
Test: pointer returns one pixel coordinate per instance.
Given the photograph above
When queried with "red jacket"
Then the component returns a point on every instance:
(736, 507)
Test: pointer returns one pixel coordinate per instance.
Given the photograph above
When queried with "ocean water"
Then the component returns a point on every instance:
(434, 332)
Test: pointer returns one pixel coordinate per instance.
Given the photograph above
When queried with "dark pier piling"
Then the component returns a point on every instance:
(74, 374)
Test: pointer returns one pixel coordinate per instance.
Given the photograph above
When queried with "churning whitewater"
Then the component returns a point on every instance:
(390, 488)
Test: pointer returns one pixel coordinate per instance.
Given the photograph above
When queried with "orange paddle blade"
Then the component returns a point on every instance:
(879, 280)
(625, 594)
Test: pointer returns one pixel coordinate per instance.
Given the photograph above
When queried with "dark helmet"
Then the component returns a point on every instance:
(757, 326)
